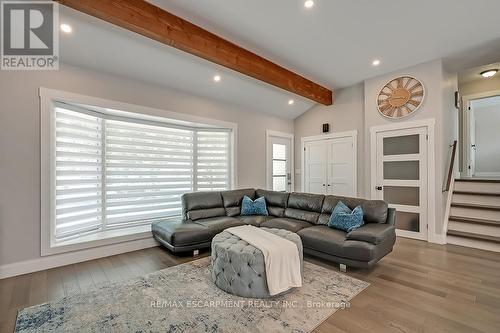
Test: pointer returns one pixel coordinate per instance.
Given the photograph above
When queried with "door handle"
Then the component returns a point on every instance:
(378, 188)
(324, 185)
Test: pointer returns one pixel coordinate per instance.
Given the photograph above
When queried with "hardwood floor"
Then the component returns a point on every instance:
(420, 287)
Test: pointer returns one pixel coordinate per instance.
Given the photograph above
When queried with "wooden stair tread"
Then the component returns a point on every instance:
(478, 180)
(473, 236)
(477, 206)
(473, 220)
(491, 194)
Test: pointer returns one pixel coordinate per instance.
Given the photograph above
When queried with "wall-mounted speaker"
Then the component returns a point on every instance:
(326, 128)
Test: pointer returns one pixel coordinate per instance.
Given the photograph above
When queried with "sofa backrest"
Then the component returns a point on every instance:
(375, 211)
(275, 201)
(200, 205)
(304, 206)
(232, 200)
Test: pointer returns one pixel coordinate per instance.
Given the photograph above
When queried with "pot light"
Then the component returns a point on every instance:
(376, 62)
(309, 4)
(217, 78)
(489, 73)
(291, 102)
(66, 28)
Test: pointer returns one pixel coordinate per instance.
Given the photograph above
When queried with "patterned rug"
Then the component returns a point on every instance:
(184, 299)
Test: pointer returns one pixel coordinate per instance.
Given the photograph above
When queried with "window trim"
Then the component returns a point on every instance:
(48, 99)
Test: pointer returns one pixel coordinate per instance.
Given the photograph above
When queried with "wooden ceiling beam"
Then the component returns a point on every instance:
(153, 22)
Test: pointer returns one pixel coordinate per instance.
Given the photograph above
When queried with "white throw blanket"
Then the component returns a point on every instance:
(281, 257)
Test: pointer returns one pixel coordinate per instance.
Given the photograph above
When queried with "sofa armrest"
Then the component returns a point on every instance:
(374, 233)
(391, 216)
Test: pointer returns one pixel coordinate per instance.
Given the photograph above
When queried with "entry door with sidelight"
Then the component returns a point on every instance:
(280, 176)
(401, 178)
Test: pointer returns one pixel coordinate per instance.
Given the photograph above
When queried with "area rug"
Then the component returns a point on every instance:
(184, 299)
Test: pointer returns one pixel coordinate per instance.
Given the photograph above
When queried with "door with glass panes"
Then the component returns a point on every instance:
(280, 175)
(401, 178)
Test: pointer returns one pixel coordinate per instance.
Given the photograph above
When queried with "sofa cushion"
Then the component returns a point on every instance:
(275, 201)
(375, 211)
(200, 200)
(304, 206)
(256, 221)
(289, 224)
(181, 233)
(374, 233)
(324, 239)
(198, 214)
(218, 224)
(232, 200)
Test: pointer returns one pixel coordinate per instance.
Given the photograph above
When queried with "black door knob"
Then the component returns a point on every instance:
(379, 188)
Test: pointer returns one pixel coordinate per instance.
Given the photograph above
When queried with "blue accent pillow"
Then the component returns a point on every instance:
(255, 207)
(343, 218)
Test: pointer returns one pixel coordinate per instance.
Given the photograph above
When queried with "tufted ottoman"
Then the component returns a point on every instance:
(238, 267)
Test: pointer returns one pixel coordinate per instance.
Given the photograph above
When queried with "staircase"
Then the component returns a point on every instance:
(474, 219)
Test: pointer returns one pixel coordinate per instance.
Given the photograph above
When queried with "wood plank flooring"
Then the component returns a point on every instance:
(420, 287)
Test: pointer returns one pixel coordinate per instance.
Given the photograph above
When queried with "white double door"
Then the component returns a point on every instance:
(330, 166)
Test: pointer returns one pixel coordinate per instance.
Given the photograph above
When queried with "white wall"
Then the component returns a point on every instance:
(345, 114)
(20, 142)
(438, 105)
(487, 139)
(355, 109)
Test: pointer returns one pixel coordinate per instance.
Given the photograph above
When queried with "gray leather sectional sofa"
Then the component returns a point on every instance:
(205, 214)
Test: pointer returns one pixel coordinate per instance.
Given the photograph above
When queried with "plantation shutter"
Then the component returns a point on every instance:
(147, 169)
(78, 173)
(213, 169)
(115, 172)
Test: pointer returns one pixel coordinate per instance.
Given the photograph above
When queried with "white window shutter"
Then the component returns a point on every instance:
(147, 169)
(213, 168)
(78, 164)
(116, 172)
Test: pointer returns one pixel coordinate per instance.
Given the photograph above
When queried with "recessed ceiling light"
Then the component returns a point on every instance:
(489, 73)
(309, 3)
(66, 28)
(217, 78)
(291, 102)
(376, 62)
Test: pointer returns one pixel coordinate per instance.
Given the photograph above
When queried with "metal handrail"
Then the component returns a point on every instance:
(452, 163)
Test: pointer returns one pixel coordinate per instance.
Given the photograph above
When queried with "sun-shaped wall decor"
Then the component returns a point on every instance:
(400, 97)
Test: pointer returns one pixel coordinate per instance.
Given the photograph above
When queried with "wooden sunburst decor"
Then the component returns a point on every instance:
(400, 97)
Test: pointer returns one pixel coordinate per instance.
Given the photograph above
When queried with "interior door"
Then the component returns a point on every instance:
(401, 178)
(473, 147)
(316, 156)
(280, 176)
(341, 167)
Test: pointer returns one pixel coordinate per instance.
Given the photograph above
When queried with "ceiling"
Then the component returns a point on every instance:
(473, 74)
(332, 44)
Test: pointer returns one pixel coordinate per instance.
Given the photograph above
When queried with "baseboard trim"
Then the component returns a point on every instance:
(47, 262)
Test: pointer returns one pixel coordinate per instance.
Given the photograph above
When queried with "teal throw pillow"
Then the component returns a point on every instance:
(254, 207)
(343, 218)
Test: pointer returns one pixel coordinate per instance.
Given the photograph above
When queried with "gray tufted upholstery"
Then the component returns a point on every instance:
(238, 267)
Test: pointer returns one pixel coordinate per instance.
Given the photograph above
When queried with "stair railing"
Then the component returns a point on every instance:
(450, 183)
(453, 147)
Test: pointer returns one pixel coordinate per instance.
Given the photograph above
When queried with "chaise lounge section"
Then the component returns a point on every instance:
(205, 214)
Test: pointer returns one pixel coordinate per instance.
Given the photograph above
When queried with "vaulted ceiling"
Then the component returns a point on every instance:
(333, 43)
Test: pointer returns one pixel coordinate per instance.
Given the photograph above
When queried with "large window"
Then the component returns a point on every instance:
(113, 172)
